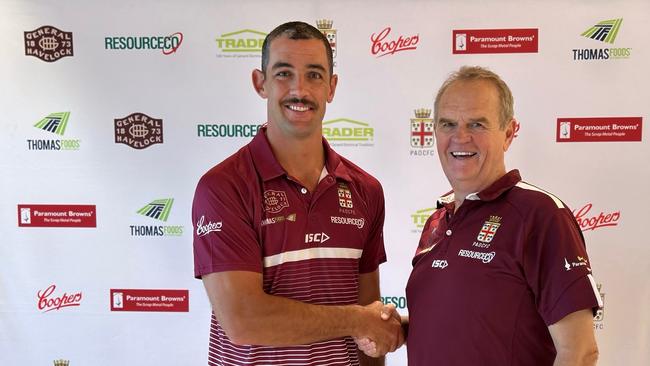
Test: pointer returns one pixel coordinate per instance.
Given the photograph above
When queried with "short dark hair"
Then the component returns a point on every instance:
(295, 30)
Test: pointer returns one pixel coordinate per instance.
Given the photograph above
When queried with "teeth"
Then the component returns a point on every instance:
(460, 154)
(298, 108)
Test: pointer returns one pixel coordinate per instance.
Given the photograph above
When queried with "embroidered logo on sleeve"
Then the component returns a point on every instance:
(203, 229)
(275, 201)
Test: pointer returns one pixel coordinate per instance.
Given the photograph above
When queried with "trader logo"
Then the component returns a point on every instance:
(468, 41)
(605, 31)
(150, 300)
(167, 44)
(275, 201)
(138, 131)
(46, 301)
(420, 218)
(48, 43)
(599, 129)
(381, 46)
(325, 26)
(158, 210)
(348, 132)
(227, 130)
(592, 222)
(30, 215)
(243, 43)
(55, 123)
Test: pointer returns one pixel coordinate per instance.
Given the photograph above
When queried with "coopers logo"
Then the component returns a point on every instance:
(158, 210)
(605, 31)
(348, 132)
(383, 45)
(56, 124)
(48, 43)
(30, 215)
(467, 41)
(242, 43)
(150, 300)
(592, 221)
(167, 44)
(48, 301)
(138, 131)
(599, 129)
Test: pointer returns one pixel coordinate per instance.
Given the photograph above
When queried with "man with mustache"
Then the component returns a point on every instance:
(288, 234)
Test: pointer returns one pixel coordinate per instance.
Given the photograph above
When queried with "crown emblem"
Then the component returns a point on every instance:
(61, 362)
(422, 113)
(495, 219)
(324, 23)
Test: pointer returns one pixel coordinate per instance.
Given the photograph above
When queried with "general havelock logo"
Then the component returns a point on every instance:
(138, 131)
(489, 229)
(275, 201)
(48, 43)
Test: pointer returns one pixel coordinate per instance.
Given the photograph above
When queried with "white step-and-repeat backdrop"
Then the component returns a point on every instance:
(111, 111)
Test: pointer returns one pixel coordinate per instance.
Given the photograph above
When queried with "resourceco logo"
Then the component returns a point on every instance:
(158, 210)
(587, 221)
(243, 43)
(422, 133)
(398, 301)
(30, 215)
(150, 300)
(227, 130)
(55, 123)
(466, 41)
(606, 32)
(48, 43)
(167, 44)
(348, 132)
(138, 131)
(420, 217)
(599, 129)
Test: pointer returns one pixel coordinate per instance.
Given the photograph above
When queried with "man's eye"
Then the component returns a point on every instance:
(315, 75)
(282, 74)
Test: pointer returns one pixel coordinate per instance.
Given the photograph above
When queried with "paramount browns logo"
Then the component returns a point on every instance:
(46, 301)
(48, 43)
(599, 129)
(588, 221)
(467, 41)
(381, 46)
(150, 300)
(57, 215)
(138, 131)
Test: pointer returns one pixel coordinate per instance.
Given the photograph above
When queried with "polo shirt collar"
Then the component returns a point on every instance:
(490, 193)
(270, 168)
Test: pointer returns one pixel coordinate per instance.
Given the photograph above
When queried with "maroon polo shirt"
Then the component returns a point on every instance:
(249, 215)
(489, 279)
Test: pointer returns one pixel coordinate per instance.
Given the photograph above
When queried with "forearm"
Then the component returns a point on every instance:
(569, 358)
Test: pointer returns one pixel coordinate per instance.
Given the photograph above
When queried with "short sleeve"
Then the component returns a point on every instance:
(557, 267)
(374, 252)
(224, 235)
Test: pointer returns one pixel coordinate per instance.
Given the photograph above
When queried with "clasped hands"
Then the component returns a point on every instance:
(382, 332)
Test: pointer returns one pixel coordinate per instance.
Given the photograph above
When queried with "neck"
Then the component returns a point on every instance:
(303, 159)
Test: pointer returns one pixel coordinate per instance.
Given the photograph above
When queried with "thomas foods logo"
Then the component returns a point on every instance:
(326, 27)
(30, 215)
(226, 130)
(348, 132)
(166, 44)
(138, 131)
(467, 41)
(48, 301)
(48, 43)
(599, 129)
(605, 31)
(592, 220)
(383, 45)
(242, 43)
(157, 210)
(56, 124)
(420, 217)
(150, 300)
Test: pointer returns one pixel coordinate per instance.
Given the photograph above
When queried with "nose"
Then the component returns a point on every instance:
(461, 134)
(298, 87)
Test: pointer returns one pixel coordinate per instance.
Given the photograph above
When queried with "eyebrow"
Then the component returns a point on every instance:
(447, 120)
(281, 64)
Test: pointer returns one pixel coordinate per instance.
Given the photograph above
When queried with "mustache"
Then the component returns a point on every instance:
(306, 102)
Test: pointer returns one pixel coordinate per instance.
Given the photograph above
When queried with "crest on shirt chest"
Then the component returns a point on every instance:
(489, 229)
(275, 201)
(345, 196)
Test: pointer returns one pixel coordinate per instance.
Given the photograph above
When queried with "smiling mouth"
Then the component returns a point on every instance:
(462, 154)
(298, 108)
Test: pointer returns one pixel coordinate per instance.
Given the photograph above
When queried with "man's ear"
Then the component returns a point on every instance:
(258, 83)
(511, 129)
(333, 82)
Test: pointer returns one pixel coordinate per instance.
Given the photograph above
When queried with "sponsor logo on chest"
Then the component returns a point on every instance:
(275, 201)
(487, 232)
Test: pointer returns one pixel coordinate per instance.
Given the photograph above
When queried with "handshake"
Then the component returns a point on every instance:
(381, 330)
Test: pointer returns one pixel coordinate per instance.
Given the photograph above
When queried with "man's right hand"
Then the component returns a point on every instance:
(382, 333)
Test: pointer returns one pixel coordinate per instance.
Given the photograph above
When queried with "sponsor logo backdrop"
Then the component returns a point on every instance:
(88, 87)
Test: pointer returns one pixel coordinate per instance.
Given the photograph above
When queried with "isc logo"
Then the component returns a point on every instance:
(316, 238)
(439, 263)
